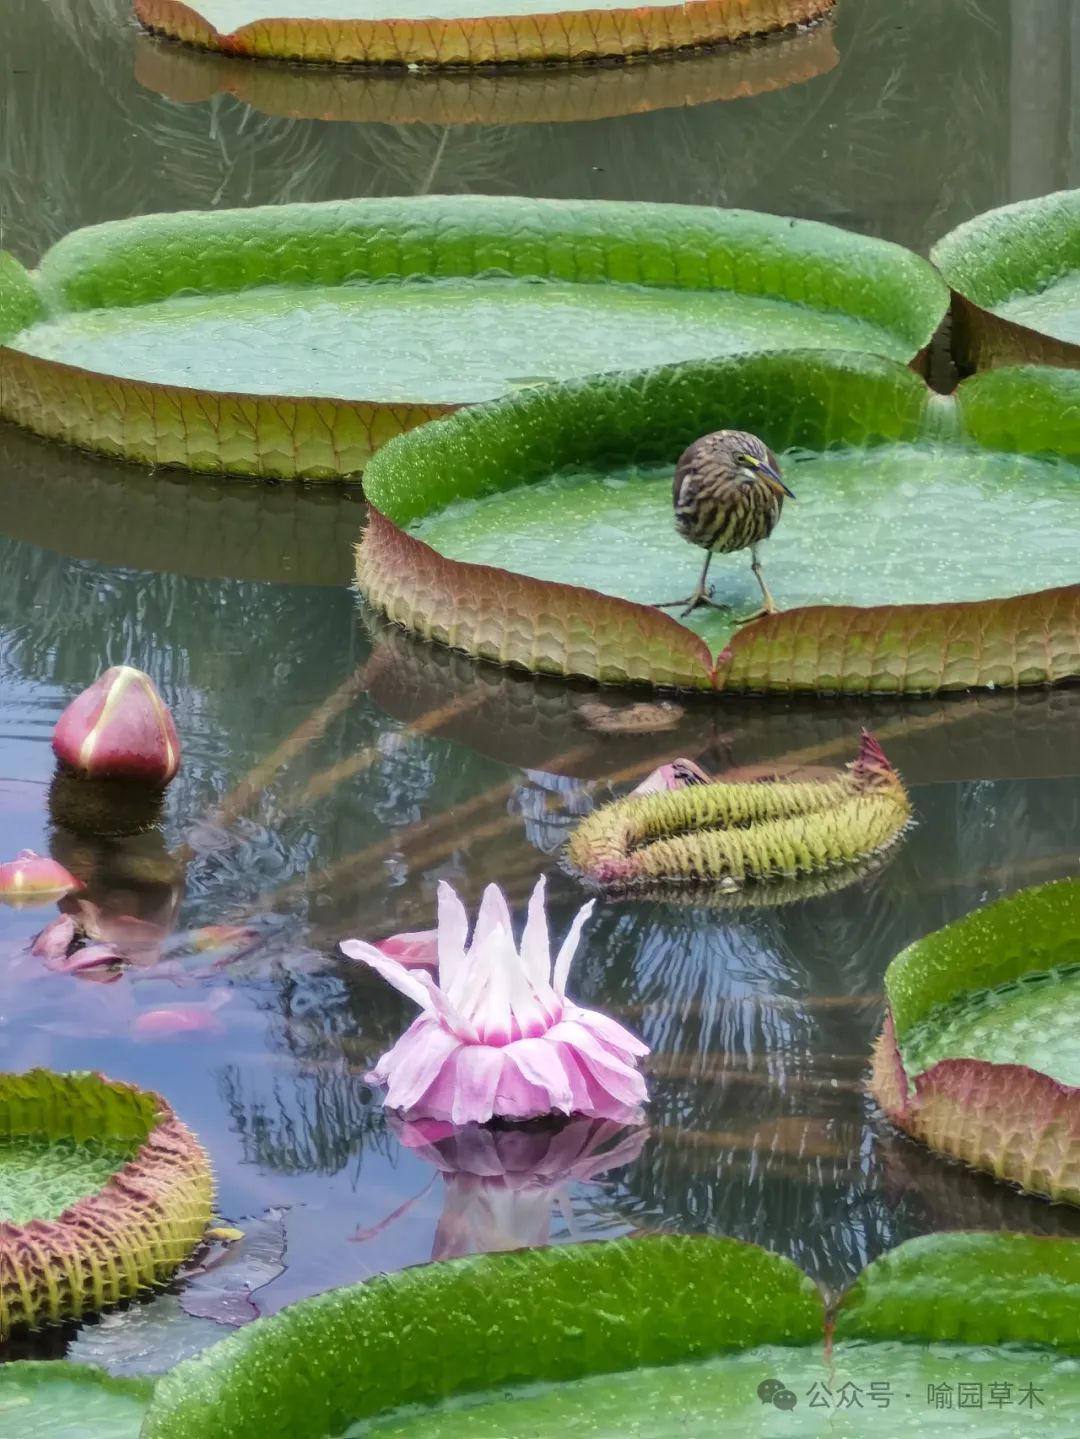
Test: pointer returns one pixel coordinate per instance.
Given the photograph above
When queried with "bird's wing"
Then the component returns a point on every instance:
(682, 477)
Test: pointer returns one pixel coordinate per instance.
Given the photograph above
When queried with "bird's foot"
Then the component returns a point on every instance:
(701, 597)
(769, 609)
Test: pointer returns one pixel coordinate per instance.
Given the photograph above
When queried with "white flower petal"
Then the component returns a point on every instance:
(452, 933)
(569, 947)
(536, 942)
(408, 982)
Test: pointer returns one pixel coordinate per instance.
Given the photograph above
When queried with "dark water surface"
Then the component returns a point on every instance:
(333, 771)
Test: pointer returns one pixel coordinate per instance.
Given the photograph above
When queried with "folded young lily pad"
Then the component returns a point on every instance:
(537, 532)
(682, 1334)
(1015, 277)
(745, 834)
(464, 32)
(102, 1193)
(292, 341)
(979, 1057)
(494, 95)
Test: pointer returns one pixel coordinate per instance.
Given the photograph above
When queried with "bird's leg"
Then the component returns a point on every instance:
(699, 597)
(769, 607)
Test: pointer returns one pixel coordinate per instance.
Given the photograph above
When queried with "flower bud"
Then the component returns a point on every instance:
(119, 728)
(31, 879)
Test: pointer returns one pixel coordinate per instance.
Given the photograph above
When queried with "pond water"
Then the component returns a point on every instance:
(334, 772)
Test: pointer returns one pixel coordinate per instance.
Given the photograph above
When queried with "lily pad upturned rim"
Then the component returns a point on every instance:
(1015, 249)
(574, 631)
(127, 263)
(572, 1311)
(1014, 1121)
(572, 35)
(131, 1233)
(502, 95)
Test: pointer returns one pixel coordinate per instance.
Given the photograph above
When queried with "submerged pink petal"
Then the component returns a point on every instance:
(55, 939)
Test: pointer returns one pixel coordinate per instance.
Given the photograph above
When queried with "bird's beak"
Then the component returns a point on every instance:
(774, 479)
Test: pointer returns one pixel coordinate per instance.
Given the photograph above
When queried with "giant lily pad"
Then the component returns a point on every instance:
(1015, 275)
(464, 32)
(979, 1055)
(493, 95)
(102, 1193)
(535, 532)
(682, 1334)
(292, 341)
(43, 1400)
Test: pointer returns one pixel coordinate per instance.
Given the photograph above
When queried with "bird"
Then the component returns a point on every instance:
(728, 494)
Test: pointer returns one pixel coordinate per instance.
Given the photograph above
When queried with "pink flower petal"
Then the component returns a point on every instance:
(617, 1078)
(608, 1030)
(473, 1084)
(419, 1057)
(539, 1063)
(419, 948)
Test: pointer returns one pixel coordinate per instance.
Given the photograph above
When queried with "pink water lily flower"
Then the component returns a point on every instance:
(497, 1037)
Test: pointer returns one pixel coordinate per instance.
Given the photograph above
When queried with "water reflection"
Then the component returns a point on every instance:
(503, 96)
(896, 139)
(501, 1185)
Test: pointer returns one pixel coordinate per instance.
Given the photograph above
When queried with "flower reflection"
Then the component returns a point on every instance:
(501, 1184)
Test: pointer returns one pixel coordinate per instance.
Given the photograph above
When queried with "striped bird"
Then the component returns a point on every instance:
(728, 495)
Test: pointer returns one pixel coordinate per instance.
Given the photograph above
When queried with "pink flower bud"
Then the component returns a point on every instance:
(31, 879)
(119, 728)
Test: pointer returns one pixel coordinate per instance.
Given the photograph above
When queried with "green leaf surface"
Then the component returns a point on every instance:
(1016, 276)
(1035, 930)
(293, 340)
(420, 1335)
(57, 1400)
(19, 303)
(569, 486)
(652, 1338)
(979, 1289)
(446, 341)
(1016, 251)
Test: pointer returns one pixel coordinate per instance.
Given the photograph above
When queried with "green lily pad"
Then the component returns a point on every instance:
(652, 1337)
(979, 1056)
(292, 341)
(55, 1400)
(1015, 275)
(102, 1193)
(538, 531)
(465, 32)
